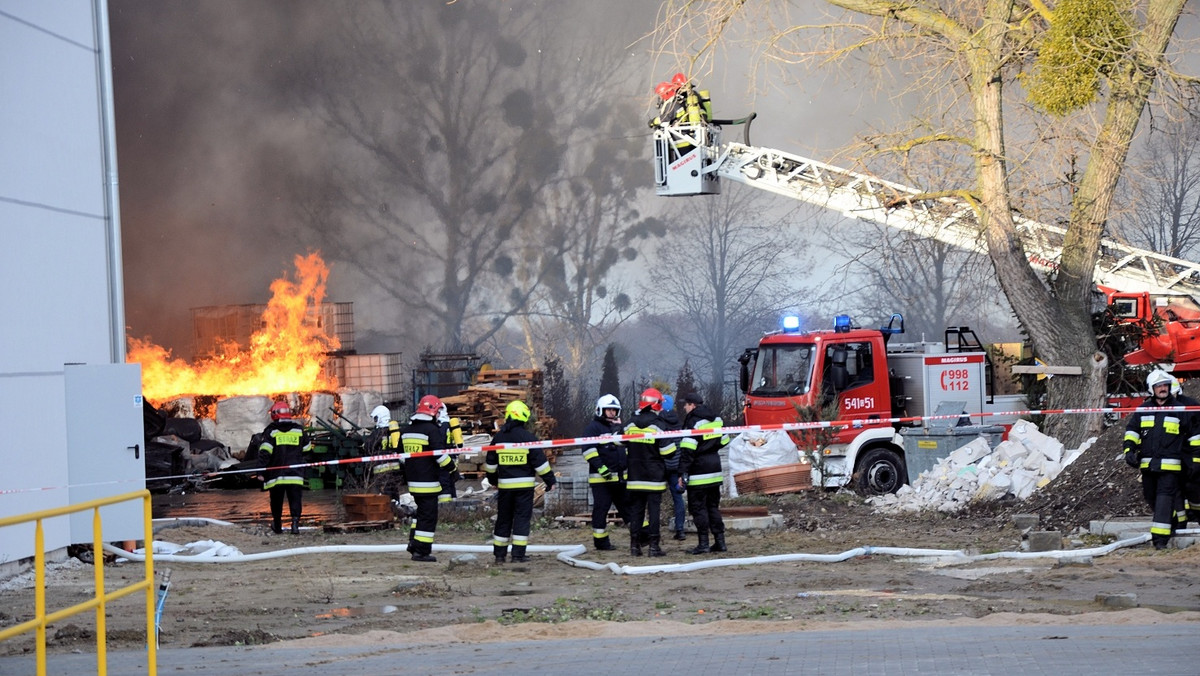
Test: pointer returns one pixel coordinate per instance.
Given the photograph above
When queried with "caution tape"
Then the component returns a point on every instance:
(671, 434)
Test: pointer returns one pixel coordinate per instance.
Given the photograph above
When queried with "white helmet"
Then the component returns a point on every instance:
(443, 415)
(607, 401)
(381, 415)
(1158, 377)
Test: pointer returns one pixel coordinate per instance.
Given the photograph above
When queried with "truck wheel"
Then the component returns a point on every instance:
(881, 471)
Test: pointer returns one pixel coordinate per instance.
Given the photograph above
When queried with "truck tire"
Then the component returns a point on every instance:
(880, 471)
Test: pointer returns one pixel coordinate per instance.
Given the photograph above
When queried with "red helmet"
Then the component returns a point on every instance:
(429, 405)
(679, 79)
(666, 90)
(280, 410)
(651, 397)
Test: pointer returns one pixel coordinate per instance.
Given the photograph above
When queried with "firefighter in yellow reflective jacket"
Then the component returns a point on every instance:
(512, 471)
(284, 443)
(1159, 443)
(647, 474)
(421, 435)
(384, 440)
(700, 467)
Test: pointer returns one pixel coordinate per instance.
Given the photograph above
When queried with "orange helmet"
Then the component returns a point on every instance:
(280, 410)
(651, 397)
(429, 405)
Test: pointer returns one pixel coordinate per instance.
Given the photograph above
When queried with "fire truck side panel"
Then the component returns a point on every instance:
(910, 367)
(954, 377)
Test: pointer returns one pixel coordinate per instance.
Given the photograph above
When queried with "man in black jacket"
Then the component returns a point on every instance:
(1158, 443)
(607, 464)
(647, 473)
(424, 436)
(512, 471)
(700, 465)
(284, 443)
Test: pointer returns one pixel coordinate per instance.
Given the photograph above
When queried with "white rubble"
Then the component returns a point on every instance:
(1018, 466)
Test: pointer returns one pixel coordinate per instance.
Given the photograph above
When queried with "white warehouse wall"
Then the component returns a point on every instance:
(60, 284)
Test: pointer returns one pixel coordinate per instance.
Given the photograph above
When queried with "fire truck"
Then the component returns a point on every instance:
(857, 371)
(861, 376)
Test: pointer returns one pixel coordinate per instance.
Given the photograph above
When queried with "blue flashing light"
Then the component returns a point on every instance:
(790, 323)
(842, 324)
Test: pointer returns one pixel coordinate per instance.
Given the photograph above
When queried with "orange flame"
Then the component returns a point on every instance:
(285, 355)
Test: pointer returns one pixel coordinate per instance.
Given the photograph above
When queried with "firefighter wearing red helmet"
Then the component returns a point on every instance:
(423, 435)
(647, 473)
(284, 444)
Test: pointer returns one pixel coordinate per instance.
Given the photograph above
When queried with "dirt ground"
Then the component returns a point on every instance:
(355, 596)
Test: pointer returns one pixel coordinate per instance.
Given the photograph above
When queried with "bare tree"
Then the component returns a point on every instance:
(933, 284)
(445, 117)
(1165, 194)
(723, 267)
(1090, 64)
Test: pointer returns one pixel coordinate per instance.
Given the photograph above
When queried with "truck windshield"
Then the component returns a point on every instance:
(782, 370)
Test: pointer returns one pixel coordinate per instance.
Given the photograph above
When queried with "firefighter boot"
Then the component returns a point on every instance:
(603, 544)
(295, 525)
(655, 549)
(635, 545)
(277, 524)
(518, 554)
(702, 547)
(718, 542)
(423, 553)
(500, 552)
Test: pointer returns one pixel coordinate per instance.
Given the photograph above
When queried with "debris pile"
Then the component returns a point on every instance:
(975, 473)
(480, 407)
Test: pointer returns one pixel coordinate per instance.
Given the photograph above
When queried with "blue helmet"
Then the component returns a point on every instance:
(668, 402)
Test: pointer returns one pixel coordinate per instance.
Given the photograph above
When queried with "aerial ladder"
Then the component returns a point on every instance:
(1142, 285)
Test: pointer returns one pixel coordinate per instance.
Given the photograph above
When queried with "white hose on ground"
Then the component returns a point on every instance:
(569, 554)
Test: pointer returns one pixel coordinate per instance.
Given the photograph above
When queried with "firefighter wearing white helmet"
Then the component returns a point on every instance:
(385, 439)
(1159, 443)
(513, 472)
(607, 464)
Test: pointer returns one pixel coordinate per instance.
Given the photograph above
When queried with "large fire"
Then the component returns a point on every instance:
(285, 355)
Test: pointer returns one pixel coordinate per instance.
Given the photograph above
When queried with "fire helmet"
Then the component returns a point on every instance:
(429, 405)
(1158, 377)
(517, 410)
(608, 401)
(281, 411)
(651, 398)
(679, 79)
(381, 415)
(443, 416)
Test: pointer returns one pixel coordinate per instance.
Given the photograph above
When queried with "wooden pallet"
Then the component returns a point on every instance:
(356, 526)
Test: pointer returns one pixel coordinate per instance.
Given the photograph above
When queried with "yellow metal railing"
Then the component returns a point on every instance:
(42, 618)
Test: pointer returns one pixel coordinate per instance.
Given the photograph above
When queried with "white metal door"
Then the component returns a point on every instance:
(105, 446)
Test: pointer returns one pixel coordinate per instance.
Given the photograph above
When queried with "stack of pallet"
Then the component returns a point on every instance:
(480, 407)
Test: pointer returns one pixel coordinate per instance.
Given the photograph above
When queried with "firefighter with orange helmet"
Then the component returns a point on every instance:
(647, 473)
(423, 436)
(284, 444)
(513, 471)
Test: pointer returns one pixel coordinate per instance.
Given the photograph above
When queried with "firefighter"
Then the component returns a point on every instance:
(607, 463)
(674, 486)
(1156, 442)
(647, 473)
(385, 439)
(1191, 489)
(284, 444)
(421, 435)
(449, 476)
(700, 467)
(512, 471)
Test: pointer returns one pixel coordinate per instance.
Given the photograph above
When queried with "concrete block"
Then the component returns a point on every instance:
(1118, 526)
(1183, 541)
(1117, 600)
(755, 522)
(1024, 521)
(1045, 541)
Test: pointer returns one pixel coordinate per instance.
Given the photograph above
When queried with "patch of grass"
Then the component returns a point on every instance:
(663, 605)
(756, 613)
(562, 610)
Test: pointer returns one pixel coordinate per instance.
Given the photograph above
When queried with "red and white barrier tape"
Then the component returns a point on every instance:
(585, 441)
